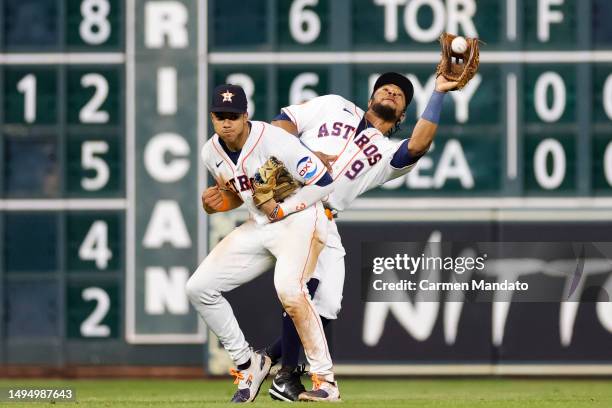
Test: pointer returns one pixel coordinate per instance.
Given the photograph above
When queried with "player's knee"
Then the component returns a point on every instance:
(290, 297)
(201, 291)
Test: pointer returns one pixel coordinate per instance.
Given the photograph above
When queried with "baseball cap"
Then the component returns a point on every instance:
(228, 98)
(396, 79)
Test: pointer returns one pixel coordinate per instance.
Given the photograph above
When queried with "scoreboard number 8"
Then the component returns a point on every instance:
(95, 27)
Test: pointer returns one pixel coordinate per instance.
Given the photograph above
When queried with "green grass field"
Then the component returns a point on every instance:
(472, 393)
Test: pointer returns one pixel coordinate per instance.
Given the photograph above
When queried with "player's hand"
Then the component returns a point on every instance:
(212, 199)
(270, 209)
(327, 160)
(444, 85)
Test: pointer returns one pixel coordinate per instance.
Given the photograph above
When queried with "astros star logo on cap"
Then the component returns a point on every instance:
(227, 96)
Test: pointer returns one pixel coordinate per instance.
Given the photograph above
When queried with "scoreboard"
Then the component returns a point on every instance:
(103, 111)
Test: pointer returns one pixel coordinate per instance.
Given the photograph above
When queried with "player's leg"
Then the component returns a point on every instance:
(296, 245)
(237, 259)
(286, 385)
(330, 272)
(329, 276)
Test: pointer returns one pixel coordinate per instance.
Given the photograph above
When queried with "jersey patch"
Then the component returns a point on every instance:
(307, 168)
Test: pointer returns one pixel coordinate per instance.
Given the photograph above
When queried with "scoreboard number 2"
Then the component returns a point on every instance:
(90, 113)
(92, 327)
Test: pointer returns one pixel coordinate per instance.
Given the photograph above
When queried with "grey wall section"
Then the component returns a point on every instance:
(402, 333)
(176, 255)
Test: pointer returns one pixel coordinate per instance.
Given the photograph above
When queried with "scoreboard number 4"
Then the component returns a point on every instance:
(95, 245)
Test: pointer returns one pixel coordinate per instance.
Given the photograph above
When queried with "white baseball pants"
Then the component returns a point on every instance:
(330, 273)
(247, 252)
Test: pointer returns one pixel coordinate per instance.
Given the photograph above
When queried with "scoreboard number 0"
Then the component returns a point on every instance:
(554, 149)
(91, 326)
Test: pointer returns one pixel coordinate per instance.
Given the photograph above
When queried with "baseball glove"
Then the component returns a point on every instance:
(464, 66)
(272, 181)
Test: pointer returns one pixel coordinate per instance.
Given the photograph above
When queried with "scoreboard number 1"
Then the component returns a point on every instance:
(27, 86)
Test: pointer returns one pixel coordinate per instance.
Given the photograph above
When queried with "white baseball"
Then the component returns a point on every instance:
(459, 45)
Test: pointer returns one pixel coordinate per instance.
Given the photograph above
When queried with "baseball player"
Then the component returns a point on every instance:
(362, 158)
(288, 235)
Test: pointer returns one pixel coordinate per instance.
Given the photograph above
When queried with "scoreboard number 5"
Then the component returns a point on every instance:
(90, 161)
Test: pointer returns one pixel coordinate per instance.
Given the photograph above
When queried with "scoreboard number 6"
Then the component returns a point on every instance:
(304, 24)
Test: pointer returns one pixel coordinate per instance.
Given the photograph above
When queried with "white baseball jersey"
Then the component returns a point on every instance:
(329, 124)
(264, 141)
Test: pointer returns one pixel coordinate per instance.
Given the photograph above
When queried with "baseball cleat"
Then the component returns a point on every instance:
(322, 391)
(249, 381)
(267, 352)
(286, 385)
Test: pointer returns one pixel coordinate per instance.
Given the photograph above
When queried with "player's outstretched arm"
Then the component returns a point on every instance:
(217, 199)
(425, 129)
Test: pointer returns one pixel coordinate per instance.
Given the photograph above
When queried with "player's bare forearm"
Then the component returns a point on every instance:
(425, 129)
(216, 199)
(422, 136)
(286, 125)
